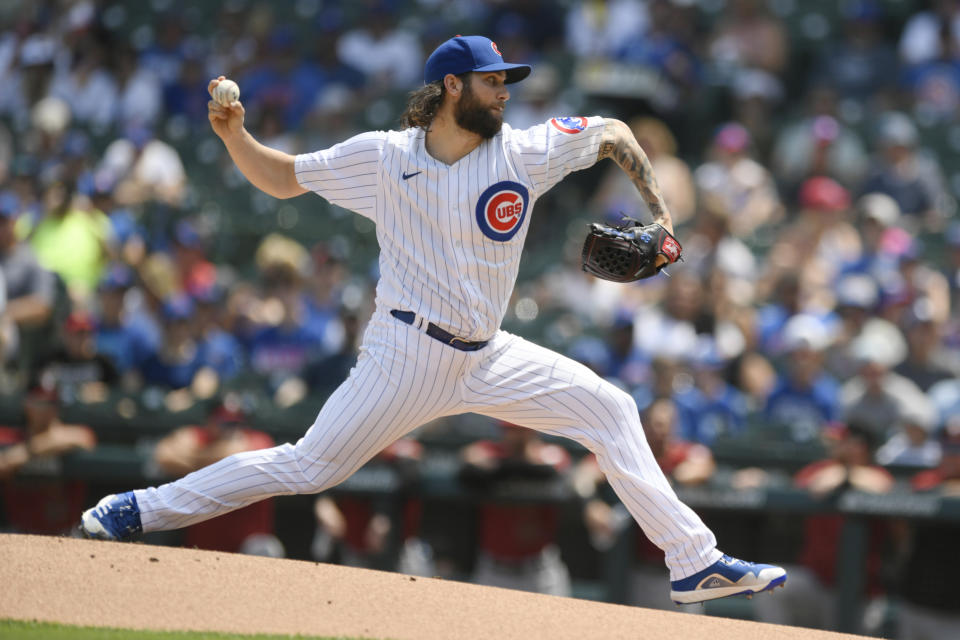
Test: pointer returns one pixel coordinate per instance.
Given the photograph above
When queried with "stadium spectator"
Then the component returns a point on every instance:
(129, 235)
(222, 350)
(43, 503)
(517, 541)
(928, 606)
(931, 32)
(784, 300)
(951, 269)
(144, 168)
(140, 94)
(327, 372)
(388, 54)
(600, 30)
(857, 299)
(901, 170)
(877, 218)
(179, 92)
(71, 241)
(167, 52)
(754, 376)
(916, 282)
(810, 600)
(913, 443)
(283, 342)
(324, 289)
(79, 369)
(30, 289)
(737, 182)
(819, 239)
(818, 143)
(118, 336)
(669, 49)
(179, 358)
(927, 361)
(747, 36)
(537, 99)
(715, 251)
(26, 82)
(877, 398)
(317, 75)
(88, 87)
(625, 362)
(805, 398)
(225, 432)
(859, 63)
(672, 329)
(710, 408)
(379, 532)
(195, 272)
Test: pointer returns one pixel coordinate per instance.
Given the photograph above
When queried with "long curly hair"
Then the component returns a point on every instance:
(423, 104)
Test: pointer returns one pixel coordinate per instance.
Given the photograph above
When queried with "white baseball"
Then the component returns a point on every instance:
(226, 92)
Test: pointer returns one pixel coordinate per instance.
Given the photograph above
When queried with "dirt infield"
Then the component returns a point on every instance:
(139, 586)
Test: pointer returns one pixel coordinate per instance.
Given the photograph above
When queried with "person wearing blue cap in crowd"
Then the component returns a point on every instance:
(451, 194)
(180, 357)
(222, 349)
(120, 334)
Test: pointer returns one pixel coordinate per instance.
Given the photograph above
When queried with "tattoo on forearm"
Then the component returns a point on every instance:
(618, 143)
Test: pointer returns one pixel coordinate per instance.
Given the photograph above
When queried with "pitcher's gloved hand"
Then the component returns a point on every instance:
(629, 252)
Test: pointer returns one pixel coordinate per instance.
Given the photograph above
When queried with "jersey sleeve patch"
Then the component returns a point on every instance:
(569, 124)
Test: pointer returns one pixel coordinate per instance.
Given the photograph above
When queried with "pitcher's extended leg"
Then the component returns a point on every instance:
(391, 391)
(532, 386)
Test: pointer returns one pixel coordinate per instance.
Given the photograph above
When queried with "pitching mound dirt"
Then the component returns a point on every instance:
(139, 586)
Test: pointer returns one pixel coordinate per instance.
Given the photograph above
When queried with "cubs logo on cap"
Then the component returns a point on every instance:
(470, 53)
(501, 210)
(569, 124)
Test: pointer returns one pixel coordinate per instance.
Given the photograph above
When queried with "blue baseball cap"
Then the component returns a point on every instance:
(470, 53)
(9, 205)
(117, 277)
(177, 307)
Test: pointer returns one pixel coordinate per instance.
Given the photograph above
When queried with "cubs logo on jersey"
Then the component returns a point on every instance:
(569, 124)
(501, 210)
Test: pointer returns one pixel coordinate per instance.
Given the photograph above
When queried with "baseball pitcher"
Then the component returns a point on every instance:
(451, 194)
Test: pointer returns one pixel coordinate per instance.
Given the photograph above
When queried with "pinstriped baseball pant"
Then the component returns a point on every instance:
(404, 378)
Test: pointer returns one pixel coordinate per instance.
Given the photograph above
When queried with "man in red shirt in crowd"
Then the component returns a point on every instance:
(810, 598)
(358, 531)
(248, 530)
(929, 600)
(44, 503)
(517, 545)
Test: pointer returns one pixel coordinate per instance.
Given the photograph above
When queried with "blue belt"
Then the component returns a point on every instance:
(437, 333)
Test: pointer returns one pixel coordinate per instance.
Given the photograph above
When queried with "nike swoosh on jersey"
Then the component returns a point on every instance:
(407, 176)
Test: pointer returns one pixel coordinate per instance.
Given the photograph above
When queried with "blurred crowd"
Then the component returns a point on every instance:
(809, 153)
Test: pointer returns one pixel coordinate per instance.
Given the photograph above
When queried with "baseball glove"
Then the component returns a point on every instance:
(628, 252)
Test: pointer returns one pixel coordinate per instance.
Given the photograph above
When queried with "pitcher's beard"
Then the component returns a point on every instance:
(476, 118)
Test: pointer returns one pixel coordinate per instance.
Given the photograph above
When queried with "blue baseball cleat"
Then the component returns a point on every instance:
(727, 577)
(116, 517)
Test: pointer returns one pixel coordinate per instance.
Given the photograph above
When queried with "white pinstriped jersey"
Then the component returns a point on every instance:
(450, 236)
(450, 239)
